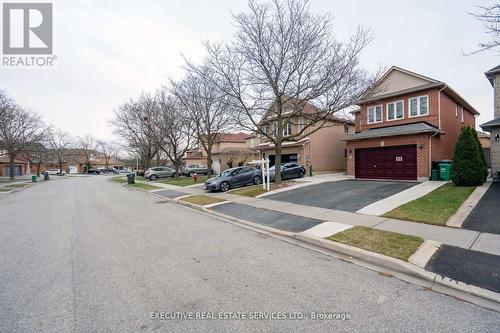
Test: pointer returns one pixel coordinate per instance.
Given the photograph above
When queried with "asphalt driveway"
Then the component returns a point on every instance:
(345, 195)
(485, 216)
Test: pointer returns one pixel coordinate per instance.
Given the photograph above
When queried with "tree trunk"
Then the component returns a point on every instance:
(209, 162)
(38, 165)
(177, 165)
(12, 158)
(277, 162)
(60, 168)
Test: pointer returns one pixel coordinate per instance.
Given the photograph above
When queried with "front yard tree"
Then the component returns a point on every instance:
(88, 146)
(19, 129)
(59, 143)
(108, 151)
(175, 131)
(468, 167)
(208, 107)
(131, 124)
(282, 55)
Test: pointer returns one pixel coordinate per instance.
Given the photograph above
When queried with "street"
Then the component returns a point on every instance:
(82, 254)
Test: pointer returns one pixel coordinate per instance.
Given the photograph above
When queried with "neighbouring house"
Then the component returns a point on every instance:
(322, 149)
(484, 138)
(20, 166)
(229, 150)
(493, 126)
(404, 123)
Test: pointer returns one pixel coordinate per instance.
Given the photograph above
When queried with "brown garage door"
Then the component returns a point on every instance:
(387, 162)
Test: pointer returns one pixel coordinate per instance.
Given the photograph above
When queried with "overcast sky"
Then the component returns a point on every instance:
(110, 51)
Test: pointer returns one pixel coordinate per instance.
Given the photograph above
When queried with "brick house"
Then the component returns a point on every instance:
(403, 124)
(323, 149)
(229, 150)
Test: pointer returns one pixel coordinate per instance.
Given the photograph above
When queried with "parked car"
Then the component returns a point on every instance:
(159, 172)
(139, 172)
(56, 172)
(192, 169)
(124, 171)
(235, 177)
(288, 171)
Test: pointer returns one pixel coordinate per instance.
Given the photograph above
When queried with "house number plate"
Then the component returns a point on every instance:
(399, 158)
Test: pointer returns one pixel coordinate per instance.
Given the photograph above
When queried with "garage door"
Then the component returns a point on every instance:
(387, 163)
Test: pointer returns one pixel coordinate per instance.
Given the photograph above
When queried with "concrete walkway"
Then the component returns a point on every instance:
(386, 205)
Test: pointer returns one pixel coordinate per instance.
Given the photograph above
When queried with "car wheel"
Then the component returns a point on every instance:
(173, 175)
(191, 174)
(224, 186)
(301, 174)
(257, 180)
(153, 177)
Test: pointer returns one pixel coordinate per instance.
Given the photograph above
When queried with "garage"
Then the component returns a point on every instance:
(285, 158)
(387, 163)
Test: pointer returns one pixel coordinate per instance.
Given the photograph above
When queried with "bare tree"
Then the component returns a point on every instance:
(282, 59)
(37, 154)
(207, 106)
(108, 151)
(59, 142)
(174, 133)
(88, 146)
(19, 129)
(490, 16)
(131, 124)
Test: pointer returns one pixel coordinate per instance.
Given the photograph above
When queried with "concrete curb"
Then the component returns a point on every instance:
(457, 219)
(442, 284)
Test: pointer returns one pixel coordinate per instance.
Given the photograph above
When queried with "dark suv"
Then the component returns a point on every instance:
(190, 170)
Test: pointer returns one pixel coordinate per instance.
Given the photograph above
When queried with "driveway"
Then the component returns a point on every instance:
(485, 216)
(345, 195)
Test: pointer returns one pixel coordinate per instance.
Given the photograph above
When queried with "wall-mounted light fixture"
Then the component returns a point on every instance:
(497, 137)
(350, 150)
(420, 146)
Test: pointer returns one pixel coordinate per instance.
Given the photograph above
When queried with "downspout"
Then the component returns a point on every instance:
(439, 106)
(430, 152)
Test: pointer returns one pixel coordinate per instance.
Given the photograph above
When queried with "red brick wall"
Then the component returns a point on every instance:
(451, 124)
(421, 140)
(432, 118)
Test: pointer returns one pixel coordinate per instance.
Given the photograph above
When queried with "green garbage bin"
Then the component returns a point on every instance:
(444, 171)
(33, 178)
(435, 175)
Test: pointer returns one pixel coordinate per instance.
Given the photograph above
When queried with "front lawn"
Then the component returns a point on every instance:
(384, 242)
(16, 185)
(120, 180)
(202, 200)
(143, 186)
(249, 191)
(182, 181)
(5, 189)
(434, 208)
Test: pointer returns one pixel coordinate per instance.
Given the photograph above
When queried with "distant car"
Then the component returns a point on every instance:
(288, 171)
(190, 170)
(110, 170)
(232, 178)
(56, 172)
(159, 172)
(139, 172)
(123, 171)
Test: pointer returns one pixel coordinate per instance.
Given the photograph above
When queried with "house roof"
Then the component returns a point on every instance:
(408, 129)
(427, 83)
(491, 73)
(482, 134)
(231, 137)
(269, 145)
(491, 125)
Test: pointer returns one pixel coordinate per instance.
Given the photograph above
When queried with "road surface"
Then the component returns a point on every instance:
(83, 254)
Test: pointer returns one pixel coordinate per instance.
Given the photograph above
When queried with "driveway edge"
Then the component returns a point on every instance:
(457, 219)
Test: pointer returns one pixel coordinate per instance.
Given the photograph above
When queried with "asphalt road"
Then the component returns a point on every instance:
(345, 195)
(87, 255)
(485, 216)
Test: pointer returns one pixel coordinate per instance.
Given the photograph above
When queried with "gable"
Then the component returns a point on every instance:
(396, 80)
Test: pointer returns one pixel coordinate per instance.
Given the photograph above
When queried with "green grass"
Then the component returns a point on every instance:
(5, 189)
(249, 191)
(434, 208)
(143, 186)
(388, 243)
(182, 181)
(202, 200)
(16, 185)
(120, 180)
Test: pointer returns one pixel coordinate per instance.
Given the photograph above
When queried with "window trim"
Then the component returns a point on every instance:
(418, 106)
(462, 114)
(374, 115)
(395, 110)
(301, 123)
(285, 129)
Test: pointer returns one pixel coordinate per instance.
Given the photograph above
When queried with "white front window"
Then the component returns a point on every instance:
(302, 123)
(395, 110)
(462, 114)
(287, 131)
(375, 114)
(419, 106)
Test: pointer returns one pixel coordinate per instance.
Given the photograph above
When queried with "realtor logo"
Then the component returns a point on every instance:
(27, 28)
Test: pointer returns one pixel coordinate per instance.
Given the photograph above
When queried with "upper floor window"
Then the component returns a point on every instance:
(347, 129)
(375, 114)
(419, 106)
(395, 110)
(462, 114)
(264, 129)
(287, 131)
(301, 123)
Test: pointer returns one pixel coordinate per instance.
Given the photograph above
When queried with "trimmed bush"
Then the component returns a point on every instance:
(481, 152)
(468, 167)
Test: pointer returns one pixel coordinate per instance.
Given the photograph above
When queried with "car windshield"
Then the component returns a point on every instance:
(227, 173)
